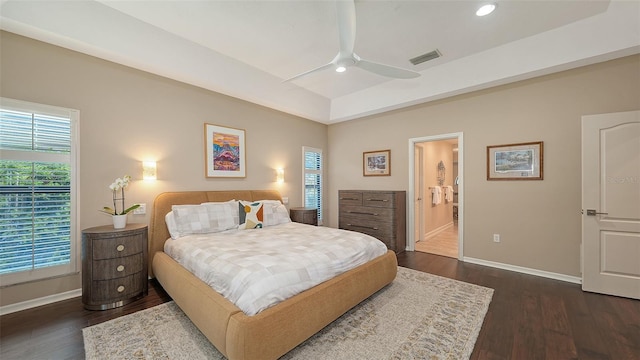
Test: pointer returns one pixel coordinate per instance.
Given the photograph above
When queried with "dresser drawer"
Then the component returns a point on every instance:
(376, 232)
(116, 247)
(117, 267)
(116, 289)
(372, 213)
(376, 199)
(369, 226)
(350, 198)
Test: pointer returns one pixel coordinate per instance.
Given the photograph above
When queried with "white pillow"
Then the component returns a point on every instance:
(171, 225)
(204, 218)
(275, 213)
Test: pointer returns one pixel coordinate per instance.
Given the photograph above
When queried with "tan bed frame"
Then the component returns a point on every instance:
(276, 330)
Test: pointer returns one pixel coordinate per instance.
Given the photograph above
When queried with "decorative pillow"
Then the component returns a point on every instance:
(275, 213)
(204, 218)
(251, 215)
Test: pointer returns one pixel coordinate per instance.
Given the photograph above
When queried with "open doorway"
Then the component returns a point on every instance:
(435, 189)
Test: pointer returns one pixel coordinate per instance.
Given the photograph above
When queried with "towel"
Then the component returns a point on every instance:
(448, 193)
(436, 195)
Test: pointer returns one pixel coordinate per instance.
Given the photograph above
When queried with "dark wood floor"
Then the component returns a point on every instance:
(529, 318)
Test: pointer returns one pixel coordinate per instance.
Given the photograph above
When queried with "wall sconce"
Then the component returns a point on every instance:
(149, 170)
(280, 176)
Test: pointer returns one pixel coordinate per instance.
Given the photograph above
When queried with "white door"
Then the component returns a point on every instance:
(611, 204)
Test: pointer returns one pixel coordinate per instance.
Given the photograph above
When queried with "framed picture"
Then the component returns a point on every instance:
(376, 163)
(515, 161)
(224, 150)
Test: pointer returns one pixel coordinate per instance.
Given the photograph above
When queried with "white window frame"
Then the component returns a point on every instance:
(75, 254)
(306, 171)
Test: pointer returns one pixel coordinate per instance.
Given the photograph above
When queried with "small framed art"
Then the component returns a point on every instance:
(522, 161)
(376, 163)
(224, 151)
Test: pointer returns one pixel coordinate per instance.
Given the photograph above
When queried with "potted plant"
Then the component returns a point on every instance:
(119, 217)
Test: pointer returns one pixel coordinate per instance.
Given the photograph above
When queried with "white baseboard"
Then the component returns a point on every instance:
(437, 231)
(524, 270)
(11, 308)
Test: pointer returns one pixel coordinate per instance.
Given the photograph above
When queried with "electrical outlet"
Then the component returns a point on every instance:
(285, 200)
(140, 210)
(496, 238)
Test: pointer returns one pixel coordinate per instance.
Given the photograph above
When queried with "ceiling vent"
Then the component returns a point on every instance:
(425, 57)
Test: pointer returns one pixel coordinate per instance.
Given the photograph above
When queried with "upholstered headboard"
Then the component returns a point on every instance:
(158, 232)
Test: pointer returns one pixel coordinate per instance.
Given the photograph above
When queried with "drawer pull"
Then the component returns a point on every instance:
(120, 268)
(383, 200)
(364, 227)
(120, 247)
(345, 198)
(362, 213)
(120, 288)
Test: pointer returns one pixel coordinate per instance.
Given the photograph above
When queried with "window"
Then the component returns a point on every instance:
(37, 191)
(312, 177)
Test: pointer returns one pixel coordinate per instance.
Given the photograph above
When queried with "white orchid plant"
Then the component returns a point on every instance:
(119, 185)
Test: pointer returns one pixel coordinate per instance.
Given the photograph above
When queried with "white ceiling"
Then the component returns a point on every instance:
(246, 49)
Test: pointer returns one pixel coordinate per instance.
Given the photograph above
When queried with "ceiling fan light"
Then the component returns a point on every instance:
(486, 9)
(341, 68)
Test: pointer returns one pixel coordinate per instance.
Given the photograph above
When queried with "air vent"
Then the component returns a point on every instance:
(425, 57)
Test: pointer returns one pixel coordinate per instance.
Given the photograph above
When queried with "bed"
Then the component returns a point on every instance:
(274, 331)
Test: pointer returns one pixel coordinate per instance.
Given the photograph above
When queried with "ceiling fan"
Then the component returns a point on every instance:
(346, 11)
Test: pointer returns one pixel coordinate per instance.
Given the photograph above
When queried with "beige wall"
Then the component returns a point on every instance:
(128, 115)
(539, 221)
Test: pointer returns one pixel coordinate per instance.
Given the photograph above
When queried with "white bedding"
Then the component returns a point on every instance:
(258, 268)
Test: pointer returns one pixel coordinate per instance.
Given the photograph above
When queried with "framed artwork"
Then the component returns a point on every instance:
(224, 150)
(515, 161)
(376, 163)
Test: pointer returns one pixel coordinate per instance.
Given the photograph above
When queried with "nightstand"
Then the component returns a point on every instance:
(114, 266)
(304, 215)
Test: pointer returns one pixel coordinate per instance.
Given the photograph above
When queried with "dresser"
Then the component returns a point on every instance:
(304, 215)
(381, 214)
(114, 266)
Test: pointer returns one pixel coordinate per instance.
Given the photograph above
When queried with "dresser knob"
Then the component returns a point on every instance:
(120, 268)
(120, 247)
(120, 288)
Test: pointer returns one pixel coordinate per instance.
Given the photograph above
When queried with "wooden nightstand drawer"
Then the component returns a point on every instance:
(304, 215)
(116, 289)
(116, 247)
(116, 268)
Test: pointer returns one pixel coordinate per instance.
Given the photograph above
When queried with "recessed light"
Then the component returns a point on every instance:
(486, 9)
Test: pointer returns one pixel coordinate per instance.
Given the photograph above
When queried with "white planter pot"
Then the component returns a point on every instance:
(119, 221)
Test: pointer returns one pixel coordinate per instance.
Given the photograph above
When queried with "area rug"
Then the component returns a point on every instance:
(418, 316)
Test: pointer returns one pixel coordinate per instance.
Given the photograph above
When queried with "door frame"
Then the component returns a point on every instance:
(419, 152)
(411, 243)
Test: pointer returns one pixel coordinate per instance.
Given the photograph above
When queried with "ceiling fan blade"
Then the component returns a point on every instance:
(387, 70)
(346, 11)
(325, 66)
